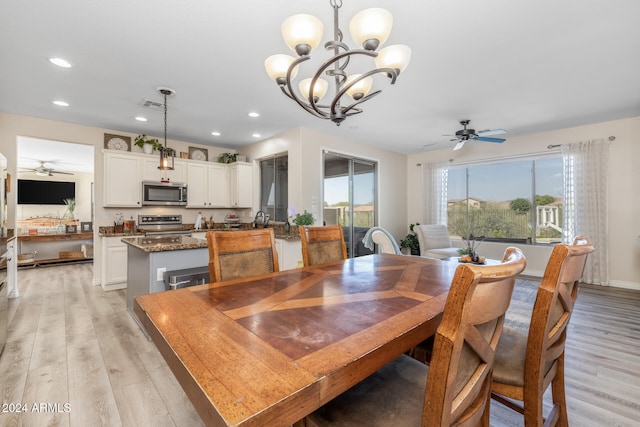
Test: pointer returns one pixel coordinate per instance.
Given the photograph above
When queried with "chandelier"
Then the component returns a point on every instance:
(166, 153)
(302, 33)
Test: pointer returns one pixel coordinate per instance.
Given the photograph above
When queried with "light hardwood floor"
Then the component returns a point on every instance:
(72, 343)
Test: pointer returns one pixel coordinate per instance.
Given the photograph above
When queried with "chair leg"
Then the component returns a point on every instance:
(532, 404)
(558, 393)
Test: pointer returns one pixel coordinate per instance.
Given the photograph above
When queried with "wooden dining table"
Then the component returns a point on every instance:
(271, 349)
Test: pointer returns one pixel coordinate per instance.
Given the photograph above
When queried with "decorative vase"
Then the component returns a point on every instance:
(147, 148)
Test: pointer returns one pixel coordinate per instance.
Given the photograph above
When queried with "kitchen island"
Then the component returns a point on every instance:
(149, 257)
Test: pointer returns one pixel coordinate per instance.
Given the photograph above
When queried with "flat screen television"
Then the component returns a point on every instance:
(33, 192)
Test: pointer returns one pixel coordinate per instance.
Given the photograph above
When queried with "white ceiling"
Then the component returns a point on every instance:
(55, 155)
(524, 66)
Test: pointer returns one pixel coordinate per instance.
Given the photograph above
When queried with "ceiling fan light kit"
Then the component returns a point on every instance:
(464, 135)
(42, 170)
(369, 28)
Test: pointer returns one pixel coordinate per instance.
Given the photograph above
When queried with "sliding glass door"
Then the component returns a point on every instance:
(350, 198)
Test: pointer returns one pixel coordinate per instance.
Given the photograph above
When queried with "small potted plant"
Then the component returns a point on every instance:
(304, 219)
(227, 157)
(148, 145)
(410, 242)
(71, 206)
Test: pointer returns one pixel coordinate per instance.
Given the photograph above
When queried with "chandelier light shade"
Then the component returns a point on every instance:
(371, 25)
(369, 29)
(278, 65)
(302, 33)
(167, 155)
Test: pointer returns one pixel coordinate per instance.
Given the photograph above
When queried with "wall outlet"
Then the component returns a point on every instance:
(160, 274)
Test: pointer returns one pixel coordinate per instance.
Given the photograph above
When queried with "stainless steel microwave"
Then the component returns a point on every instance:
(164, 193)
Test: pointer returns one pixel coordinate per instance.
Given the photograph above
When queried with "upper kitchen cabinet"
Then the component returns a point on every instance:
(150, 171)
(208, 185)
(122, 177)
(240, 185)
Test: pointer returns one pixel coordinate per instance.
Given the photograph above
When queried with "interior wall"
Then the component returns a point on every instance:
(305, 147)
(624, 176)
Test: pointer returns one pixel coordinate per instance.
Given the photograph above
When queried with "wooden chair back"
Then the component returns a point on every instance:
(239, 254)
(322, 244)
(545, 342)
(459, 379)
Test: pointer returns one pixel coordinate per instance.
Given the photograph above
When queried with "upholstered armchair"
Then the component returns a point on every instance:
(435, 241)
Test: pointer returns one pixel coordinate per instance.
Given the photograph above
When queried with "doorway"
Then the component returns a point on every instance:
(54, 198)
(350, 189)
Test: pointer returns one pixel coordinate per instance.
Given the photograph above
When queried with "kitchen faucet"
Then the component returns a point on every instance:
(264, 219)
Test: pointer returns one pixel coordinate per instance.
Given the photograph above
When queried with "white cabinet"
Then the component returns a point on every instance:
(240, 185)
(114, 263)
(150, 171)
(207, 185)
(122, 178)
(210, 185)
(289, 254)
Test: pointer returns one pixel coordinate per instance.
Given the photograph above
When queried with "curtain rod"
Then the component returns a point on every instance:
(516, 156)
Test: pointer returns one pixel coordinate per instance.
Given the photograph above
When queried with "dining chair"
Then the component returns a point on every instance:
(455, 388)
(530, 356)
(434, 241)
(322, 244)
(244, 253)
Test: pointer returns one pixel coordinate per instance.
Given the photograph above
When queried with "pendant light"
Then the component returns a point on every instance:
(167, 155)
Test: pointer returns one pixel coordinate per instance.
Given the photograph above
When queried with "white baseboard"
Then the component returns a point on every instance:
(625, 285)
(114, 286)
(612, 283)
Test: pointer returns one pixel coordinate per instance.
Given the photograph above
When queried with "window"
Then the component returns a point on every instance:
(350, 198)
(274, 185)
(512, 201)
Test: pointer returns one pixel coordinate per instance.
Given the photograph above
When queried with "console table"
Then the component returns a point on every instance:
(44, 238)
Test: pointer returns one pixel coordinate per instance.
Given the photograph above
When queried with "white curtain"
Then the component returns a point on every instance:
(586, 172)
(434, 182)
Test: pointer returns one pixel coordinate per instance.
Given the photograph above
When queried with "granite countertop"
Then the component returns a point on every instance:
(165, 243)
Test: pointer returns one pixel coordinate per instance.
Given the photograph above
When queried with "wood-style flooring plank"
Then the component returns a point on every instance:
(90, 393)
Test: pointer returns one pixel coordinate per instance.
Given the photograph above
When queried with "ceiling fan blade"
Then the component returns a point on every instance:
(498, 140)
(489, 132)
(459, 145)
(51, 171)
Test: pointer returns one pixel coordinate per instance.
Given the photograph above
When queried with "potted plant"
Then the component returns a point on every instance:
(410, 242)
(148, 145)
(304, 219)
(71, 206)
(227, 157)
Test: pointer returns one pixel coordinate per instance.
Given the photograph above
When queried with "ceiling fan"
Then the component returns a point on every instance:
(464, 135)
(42, 170)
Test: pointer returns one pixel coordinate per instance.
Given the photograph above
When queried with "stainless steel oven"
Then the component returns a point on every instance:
(164, 193)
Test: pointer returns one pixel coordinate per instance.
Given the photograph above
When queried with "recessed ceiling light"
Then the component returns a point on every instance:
(141, 119)
(60, 62)
(61, 103)
(215, 133)
(256, 135)
(254, 114)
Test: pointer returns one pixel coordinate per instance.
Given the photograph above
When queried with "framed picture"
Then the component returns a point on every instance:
(117, 142)
(86, 227)
(196, 153)
(71, 229)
